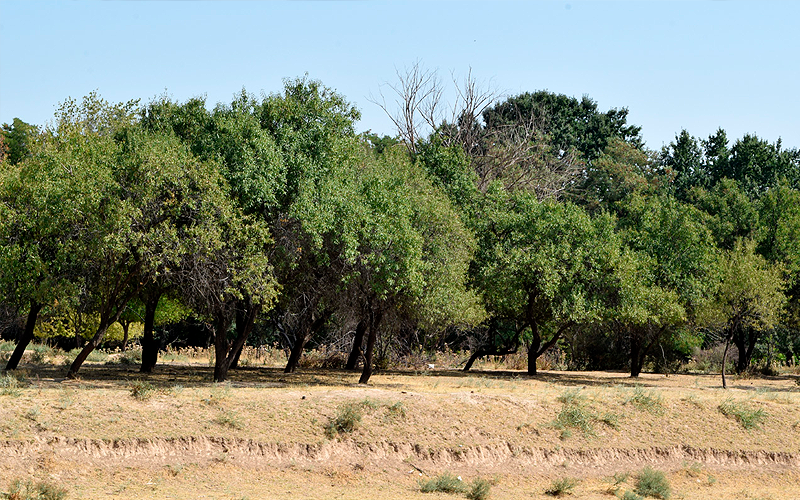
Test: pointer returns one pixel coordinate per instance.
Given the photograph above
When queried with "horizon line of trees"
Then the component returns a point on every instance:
(534, 222)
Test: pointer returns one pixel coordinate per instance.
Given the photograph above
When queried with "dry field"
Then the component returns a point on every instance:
(115, 434)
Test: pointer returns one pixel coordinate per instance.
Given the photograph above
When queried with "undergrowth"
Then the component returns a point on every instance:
(749, 418)
(28, 490)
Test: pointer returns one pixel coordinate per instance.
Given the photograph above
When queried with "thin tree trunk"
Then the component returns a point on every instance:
(375, 321)
(533, 348)
(221, 347)
(300, 343)
(227, 352)
(26, 338)
(725, 360)
(636, 348)
(125, 326)
(149, 344)
(358, 342)
(91, 345)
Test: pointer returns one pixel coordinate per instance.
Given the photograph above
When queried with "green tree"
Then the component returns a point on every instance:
(544, 265)
(674, 257)
(17, 141)
(749, 301)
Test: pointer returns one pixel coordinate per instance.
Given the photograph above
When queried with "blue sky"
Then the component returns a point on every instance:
(680, 64)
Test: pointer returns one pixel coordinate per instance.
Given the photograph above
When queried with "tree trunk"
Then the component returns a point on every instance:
(358, 342)
(725, 360)
(125, 326)
(91, 345)
(221, 347)
(25, 339)
(739, 341)
(533, 348)
(375, 320)
(636, 355)
(150, 345)
(300, 343)
(224, 351)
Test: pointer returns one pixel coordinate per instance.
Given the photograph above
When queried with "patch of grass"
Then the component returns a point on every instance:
(396, 410)
(574, 415)
(629, 495)
(650, 401)
(10, 385)
(142, 390)
(131, 357)
(229, 420)
(479, 489)
(749, 418)
(28, 490)
(561, 487)
(347, 419)
(653, 483)
(445, 483)
(97, 356)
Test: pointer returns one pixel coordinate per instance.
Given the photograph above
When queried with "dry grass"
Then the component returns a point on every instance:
(263, 434)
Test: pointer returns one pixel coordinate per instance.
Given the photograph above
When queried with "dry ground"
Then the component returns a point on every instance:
(262, 435)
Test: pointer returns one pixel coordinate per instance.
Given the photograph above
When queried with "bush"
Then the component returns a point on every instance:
(445, 483)
(10, 385)
(563, 486)
(27, 490)
(142, 390)
(479, 489)
(347, 419)
(748, 417)
(653, 483)
(649, 401)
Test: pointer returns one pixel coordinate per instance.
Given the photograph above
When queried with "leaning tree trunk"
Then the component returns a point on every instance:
(358, 342)
(26, 338)
(300, 343)
(90, 346)
(150, 345)
(375, 320)
(225, 352)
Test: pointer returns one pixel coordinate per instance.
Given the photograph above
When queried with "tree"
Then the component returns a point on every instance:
(749, 301)
(673, 259)
(17, 141)
(544, 265)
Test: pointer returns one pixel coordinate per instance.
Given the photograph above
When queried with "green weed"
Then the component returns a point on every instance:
(445, 483)
(142, 390)
(479, 489)
(10, 385)
(561, 487)
(653, 483)
(28, 490)
(649, 401)
(748, 417)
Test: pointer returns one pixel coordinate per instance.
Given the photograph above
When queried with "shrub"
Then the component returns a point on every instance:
(748, 417)
(563, 486)
(574, 414)
(142, 390)
(347, 419)
(653, 483)
(629, 495)
(10, 385)
(27, 490)
(649, 401)
(445, 483)
(479, 489)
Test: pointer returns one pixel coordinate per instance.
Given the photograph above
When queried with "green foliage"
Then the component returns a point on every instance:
(142, 390)
(347, 419)
(445, 483)
(649, 401)
(653, 483)
(630, 495)
(479, 489)
(28, 490)
(561, 487)
(749, 418)
(10, 385)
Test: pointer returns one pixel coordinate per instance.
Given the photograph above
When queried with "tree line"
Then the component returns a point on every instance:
(534, 222)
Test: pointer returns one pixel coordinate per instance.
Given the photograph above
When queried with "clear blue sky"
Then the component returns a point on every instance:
(680, 64)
